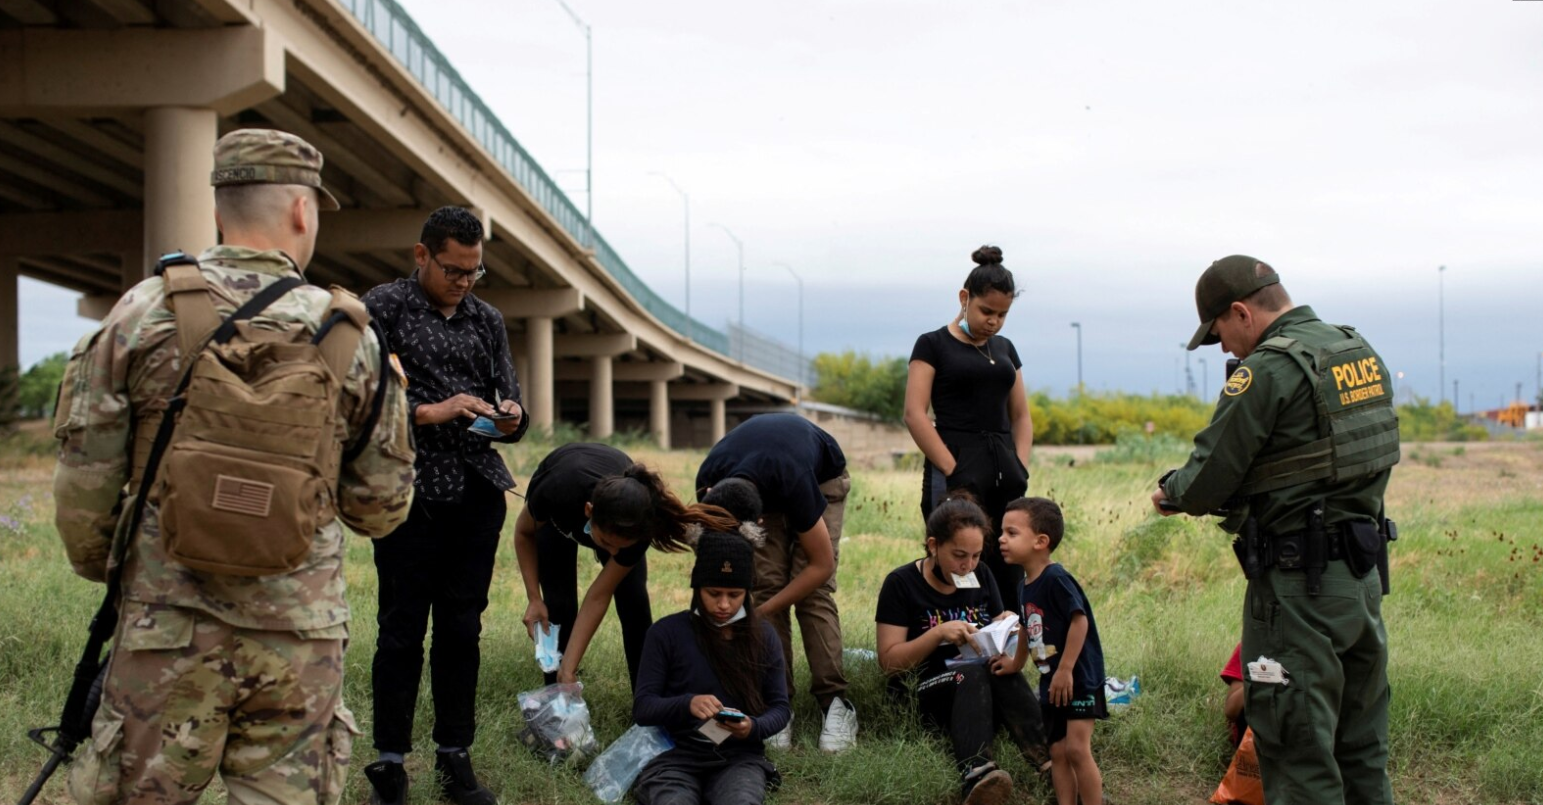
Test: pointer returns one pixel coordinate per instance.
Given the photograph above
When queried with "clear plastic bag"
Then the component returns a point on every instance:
(612, 774)
(557, 723)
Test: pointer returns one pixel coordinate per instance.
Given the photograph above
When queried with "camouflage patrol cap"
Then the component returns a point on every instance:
(268, 156)
(1228, 280)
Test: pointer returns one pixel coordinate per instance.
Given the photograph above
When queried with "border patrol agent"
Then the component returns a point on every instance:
(1296, 458)
(217, 666)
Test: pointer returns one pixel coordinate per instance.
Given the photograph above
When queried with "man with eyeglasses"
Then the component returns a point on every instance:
(454, 350)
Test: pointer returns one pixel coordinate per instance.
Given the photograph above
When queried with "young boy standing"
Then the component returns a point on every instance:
(1060, 634)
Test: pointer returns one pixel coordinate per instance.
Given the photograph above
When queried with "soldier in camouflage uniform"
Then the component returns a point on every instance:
(240, 675)
(1297, 457)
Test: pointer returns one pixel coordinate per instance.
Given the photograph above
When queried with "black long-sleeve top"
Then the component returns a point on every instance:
(674, 669)
(464, 353)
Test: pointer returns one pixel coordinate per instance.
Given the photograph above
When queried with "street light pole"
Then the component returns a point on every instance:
(1441, 330)
(589, 127)
(1205, 379)
(803, 365)
(686, 200)
(1189, 376)
(1077, 325)
(738, 244)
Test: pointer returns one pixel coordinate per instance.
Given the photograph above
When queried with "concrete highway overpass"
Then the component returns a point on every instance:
(109, 110)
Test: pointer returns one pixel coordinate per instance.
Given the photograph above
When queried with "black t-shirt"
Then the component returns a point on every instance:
(906, 599)
(969, 392)
(563, 483)
(1048, 605)
(786, 456)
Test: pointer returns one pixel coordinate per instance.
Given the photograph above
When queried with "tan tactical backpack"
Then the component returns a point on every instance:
(251, 441)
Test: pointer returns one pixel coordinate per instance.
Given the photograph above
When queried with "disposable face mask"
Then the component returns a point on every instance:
(547, 655)
(735, 618)
(964, 323)
(965, 582)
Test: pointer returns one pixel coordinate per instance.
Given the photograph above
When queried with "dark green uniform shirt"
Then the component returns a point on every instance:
(1272, 410)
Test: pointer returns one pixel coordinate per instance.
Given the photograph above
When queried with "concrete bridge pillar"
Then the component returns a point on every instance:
(179, 204)
(538, 337)
(718, 414)
(602, 398)
(659, 412)
(10, 323)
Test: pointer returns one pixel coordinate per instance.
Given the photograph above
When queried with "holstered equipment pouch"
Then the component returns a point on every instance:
(1315, 555)
(1365, 548)
(1249, 548)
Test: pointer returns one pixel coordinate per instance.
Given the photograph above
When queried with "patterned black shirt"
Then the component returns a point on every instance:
(467, 353)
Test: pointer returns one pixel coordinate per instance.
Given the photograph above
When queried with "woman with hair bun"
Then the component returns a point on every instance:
(596, 496)
(972, 379)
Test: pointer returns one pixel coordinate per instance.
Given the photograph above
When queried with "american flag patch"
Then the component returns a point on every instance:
(242, 496)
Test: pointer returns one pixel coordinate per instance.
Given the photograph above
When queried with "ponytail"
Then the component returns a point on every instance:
(639, 505)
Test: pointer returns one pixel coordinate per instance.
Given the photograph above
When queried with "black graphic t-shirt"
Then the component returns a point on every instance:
(906, 599)
(969, 392)
(466, 353)
(563, 483)
(1049, 602)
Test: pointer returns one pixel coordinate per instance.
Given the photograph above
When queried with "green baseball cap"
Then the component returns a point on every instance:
(1228, 280)
(268, 156)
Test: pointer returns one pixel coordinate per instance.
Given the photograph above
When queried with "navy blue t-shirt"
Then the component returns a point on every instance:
(786, 456)
(1048, 605)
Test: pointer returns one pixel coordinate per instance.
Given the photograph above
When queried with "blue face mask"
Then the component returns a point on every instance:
(964, 324)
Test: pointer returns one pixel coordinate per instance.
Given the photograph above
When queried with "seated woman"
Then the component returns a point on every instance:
(594, 496)
(712, 676)
(926, 610)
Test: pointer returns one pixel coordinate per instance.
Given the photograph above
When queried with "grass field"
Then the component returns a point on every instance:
(1464, 623)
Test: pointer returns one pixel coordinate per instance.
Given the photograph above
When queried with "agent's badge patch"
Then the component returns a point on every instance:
(1239, 382)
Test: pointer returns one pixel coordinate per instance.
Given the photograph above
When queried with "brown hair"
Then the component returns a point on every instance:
(639, 505)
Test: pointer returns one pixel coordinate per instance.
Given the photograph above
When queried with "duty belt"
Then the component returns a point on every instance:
(1289, 551)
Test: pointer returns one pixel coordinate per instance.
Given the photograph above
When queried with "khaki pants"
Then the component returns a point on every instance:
(188, 695)
(782, 558)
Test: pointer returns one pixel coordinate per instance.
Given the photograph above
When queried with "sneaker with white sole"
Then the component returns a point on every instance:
(783, 739)
(839, 732)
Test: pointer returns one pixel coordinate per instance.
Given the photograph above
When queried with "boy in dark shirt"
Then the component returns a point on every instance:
(1059, 632)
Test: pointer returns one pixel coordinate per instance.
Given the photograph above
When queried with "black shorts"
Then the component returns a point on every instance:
(1084, 706)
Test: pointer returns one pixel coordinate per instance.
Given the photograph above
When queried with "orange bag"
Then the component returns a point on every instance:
(1241, 786)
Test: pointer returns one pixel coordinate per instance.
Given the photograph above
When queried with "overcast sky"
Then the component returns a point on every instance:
(1112, 149)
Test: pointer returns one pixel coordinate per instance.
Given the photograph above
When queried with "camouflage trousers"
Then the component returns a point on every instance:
(188, 695)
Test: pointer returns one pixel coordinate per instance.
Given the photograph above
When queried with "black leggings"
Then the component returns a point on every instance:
(969, 704)
(557, 570)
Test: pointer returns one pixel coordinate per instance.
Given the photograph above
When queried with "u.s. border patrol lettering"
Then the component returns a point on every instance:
(1297, 457)
(216, 671)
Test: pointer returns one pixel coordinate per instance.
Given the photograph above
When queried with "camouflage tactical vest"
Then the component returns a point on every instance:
(1357, 423)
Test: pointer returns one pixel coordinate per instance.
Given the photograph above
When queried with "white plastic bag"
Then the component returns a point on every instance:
(557, 723)
(612, 774)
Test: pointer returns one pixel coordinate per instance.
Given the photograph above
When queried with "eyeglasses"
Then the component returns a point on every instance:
(455, 274)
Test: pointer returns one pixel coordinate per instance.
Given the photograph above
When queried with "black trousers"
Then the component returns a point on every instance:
(986, 464)
(557, 571)
(437, 564)
(970, 704)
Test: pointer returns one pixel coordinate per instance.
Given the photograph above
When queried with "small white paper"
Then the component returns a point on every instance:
(1001, 637)
(1268, 671)
(714, 731)
(967, 581)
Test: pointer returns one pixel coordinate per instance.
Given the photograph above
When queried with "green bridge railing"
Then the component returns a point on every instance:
(393, 28)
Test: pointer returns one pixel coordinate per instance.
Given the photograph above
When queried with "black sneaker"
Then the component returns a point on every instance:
(458, 782)
(388, 781)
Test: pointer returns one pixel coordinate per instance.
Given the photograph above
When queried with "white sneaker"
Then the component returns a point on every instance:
(783, 739)
(839, 732)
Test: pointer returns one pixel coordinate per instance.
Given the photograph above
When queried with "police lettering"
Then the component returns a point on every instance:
(1358, 381)
(1356, 373)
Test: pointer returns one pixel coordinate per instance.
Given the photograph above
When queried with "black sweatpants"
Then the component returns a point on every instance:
(557, 571)
(986, 464)
(438, 563)
(969, 704)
